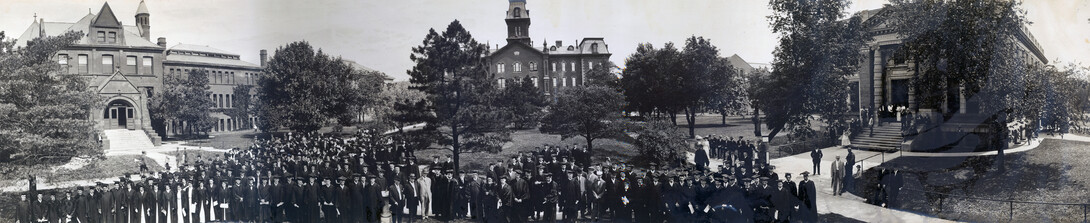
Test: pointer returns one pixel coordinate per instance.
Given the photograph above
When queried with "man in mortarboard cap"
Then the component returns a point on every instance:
(808, 196)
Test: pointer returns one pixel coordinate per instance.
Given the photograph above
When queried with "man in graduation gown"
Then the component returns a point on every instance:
(808, 196)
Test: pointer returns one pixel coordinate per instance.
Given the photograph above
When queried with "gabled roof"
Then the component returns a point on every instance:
(513, 45)
(214, 61)
(36, 28)
(739, 63)
(106, 17)
(117, 84)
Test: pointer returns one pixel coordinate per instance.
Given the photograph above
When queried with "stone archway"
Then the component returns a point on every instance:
(121, 113)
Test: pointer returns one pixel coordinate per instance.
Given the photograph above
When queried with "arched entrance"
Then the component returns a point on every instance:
(119, 114)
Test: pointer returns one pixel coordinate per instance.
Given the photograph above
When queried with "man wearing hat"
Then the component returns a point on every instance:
(808, 196)
(701, 154)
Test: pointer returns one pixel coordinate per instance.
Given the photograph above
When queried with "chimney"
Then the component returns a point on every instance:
(559, 43)
(264, 57)
(162, 42)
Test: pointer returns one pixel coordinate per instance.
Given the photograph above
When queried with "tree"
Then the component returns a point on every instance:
(449, 68)
(650, 81)
(603, 76)
(45, 114)
(706, 80)
(304, 89)
(661, 142)
(817, 51)
(525, 102)
(756, 85)
(241, 100)
(184, 98)
(591, 112)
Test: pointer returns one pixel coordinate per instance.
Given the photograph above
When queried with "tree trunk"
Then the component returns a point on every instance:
(673, 118)
(690, 118)
(723, 118)
(590, 146)
(757, 122)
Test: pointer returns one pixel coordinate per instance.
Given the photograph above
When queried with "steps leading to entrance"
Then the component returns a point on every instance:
(124, 139)
(886, 138)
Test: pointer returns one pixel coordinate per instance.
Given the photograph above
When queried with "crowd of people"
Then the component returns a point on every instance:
(319, 178)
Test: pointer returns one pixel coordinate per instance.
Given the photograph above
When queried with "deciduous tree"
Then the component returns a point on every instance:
(591, 112)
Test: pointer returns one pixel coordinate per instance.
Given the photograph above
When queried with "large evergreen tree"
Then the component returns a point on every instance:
(450, 69)
(45, 115)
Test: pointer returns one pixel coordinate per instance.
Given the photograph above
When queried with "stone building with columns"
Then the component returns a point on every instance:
(550, 68)
(884, 76)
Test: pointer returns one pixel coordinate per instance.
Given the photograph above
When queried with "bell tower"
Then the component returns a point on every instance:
(518, 22)
(142, 21)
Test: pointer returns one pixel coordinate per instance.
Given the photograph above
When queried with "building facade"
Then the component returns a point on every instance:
(884, 77)
(550, 68)
(122, 64)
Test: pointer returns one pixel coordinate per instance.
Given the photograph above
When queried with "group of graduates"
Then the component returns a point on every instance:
(321, 178)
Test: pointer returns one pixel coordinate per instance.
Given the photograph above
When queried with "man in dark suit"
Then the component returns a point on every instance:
(816, 155)
(412, 197)
(397, 200)
(373, 202)
(849, 167)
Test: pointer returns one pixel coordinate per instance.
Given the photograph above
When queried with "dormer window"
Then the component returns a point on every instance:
(518, 12)
(101, 36)
(571, 48)
(594, 48)
(111, 37)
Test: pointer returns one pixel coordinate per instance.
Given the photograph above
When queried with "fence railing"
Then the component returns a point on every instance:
(1010, 203)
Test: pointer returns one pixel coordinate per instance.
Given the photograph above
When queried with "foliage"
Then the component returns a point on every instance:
(649, 81)
(184, 98)
(817, 51)
(706, 80)
(525, 102)
(449, 68)
(756, 87)
(304, 89)
(603, 76)
(660, 142)
(241, 102)
(44, 114)
(592, 112)
(1065, 97)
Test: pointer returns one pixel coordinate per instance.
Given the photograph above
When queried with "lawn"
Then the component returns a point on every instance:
(532, 140)
(1057, 172)
(191, 155)
(110, 166)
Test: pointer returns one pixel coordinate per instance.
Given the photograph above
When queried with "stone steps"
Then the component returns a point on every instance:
(885, 138)
(124, 140)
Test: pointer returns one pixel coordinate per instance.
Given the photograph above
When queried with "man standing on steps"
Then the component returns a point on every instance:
(837, 169)
(816, 155)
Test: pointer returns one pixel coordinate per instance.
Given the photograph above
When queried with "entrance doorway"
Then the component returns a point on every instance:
(119, 114)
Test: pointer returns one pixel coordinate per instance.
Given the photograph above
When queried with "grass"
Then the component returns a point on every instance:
(532, 140)
(191, 155)
(1055, 172)
(110, 166)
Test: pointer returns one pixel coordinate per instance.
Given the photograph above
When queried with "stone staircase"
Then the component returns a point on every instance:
(886, 138)
(128, 140)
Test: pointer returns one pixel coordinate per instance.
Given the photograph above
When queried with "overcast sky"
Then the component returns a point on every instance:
(380, 34)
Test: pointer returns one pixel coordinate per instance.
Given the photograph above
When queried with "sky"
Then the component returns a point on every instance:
(381, 34)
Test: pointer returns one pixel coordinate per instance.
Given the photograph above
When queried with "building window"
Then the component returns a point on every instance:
(62, 59)
(573, 83)
(534, 79)
(501, 82)
(518, 31)
(564, 83)
(572, 66)
(563, 67)
(554, 82)
(82, 63)
(108, 64)
(499, 68)
(590, 65)
(594, 48)
(533, 66)
(101, 36)
(518, 67)
(518, 12)
(146, 68)
(554, 66)
(130, 64)
(112, 37)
